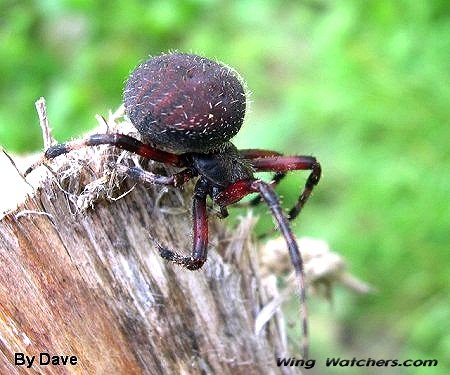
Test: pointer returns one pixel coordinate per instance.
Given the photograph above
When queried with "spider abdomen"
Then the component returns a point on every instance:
(185, 103)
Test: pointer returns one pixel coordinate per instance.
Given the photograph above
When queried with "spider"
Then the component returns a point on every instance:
(186, 109)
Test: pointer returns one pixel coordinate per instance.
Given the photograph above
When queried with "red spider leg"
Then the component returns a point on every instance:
(200, 223)
(259, 153)
(292, 163)
(254, 153)
(146, 177)
(122, 141)
(241, 188)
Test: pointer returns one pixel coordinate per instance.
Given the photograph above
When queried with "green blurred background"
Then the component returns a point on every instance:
(362, 85)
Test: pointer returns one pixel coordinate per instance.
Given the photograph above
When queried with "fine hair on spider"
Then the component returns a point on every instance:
(186, 108)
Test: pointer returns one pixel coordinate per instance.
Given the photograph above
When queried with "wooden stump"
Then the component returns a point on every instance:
(89, 282)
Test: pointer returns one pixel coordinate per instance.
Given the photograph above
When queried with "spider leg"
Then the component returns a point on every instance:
(271, 199)
(255, 153)
(200, 223)
(276, 178)
(146, 177)
(252, 153)
(238, 190)
(121, 141)
(283, 164)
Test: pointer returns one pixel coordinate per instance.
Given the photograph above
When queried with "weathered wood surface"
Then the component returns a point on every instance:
(90, 282)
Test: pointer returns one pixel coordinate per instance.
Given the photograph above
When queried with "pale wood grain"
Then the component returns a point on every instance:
(90, 283)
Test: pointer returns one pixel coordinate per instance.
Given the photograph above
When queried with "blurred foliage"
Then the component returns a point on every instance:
(363, 85)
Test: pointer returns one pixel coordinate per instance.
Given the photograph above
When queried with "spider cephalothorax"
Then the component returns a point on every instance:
(186, 109)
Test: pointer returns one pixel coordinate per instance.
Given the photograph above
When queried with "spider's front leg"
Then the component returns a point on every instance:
(200, 223)
(240, 189)
(121, 141)
(258, 153)
(146, 177)
(268, 161)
